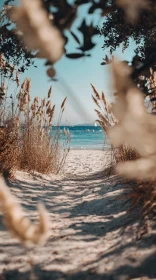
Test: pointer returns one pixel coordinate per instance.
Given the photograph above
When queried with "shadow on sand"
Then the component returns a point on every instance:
(92, 211)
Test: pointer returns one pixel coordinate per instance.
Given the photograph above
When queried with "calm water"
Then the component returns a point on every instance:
(86, 137)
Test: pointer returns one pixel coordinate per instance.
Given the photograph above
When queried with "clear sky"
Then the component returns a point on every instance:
(75, 76)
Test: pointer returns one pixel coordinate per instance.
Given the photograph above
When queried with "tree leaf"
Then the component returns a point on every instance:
(75, 55)
(75, 37)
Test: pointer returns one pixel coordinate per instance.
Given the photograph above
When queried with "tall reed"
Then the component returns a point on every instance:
(107, 119)
(26, 137)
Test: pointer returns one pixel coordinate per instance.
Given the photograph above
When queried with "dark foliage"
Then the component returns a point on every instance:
(116, 30)
(65, 15)
(11, 45)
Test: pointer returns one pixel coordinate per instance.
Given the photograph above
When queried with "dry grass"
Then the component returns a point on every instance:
(106, 117)
(9, 150)
(124, 153)
(41, 151)
(107, 120)
(137, 128)
(142, 196)
(20, 226)
(139, 193)
(26, 137)
(37, 152)
(25, 143)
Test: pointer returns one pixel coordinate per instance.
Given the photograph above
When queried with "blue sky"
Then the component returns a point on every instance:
(75, 76)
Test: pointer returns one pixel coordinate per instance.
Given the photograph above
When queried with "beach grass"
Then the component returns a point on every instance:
(141, 194)
(107, 119)
(26, 138)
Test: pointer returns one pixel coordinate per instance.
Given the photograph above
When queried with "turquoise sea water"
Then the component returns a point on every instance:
(86, 137)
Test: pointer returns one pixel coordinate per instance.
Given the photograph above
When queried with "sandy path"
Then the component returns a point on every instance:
(90, 238)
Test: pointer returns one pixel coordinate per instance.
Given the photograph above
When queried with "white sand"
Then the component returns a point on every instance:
(84, 162)
(90, 238)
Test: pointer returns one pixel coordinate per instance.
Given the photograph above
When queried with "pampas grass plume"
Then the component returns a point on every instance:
(20, 226)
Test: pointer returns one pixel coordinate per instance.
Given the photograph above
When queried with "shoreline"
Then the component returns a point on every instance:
(85, 149)
(106, 148)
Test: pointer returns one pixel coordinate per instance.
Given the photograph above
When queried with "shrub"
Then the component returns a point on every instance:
(107, 119)
(26, 139)
(124, 153)
(9, 149)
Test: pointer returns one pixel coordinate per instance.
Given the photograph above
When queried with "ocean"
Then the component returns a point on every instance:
(86, 137)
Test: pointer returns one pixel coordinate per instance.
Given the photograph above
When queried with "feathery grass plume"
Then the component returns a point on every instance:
(12, 68)
(23, 85)
(38, 33)
(95, 92)
(48, 110)
(27, 88)
(27, 142)
(9, 149)
(104, 127)
(52, 112)
(104, 100)
(132, 133)
(63, 103)
(3, 91)
(20, 226)
(48, 103)
(95, 101)
(103, 119)
(1, 59)
(24, 95)
(43, 102)
(42, 151)
(50, 92)
(105, 115)
(104, 111)
(137, 128)
(36, 100)
(107, 120)
(17, 79)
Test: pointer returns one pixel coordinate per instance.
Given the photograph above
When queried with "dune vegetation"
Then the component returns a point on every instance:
(92, 218)
(26, 138)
